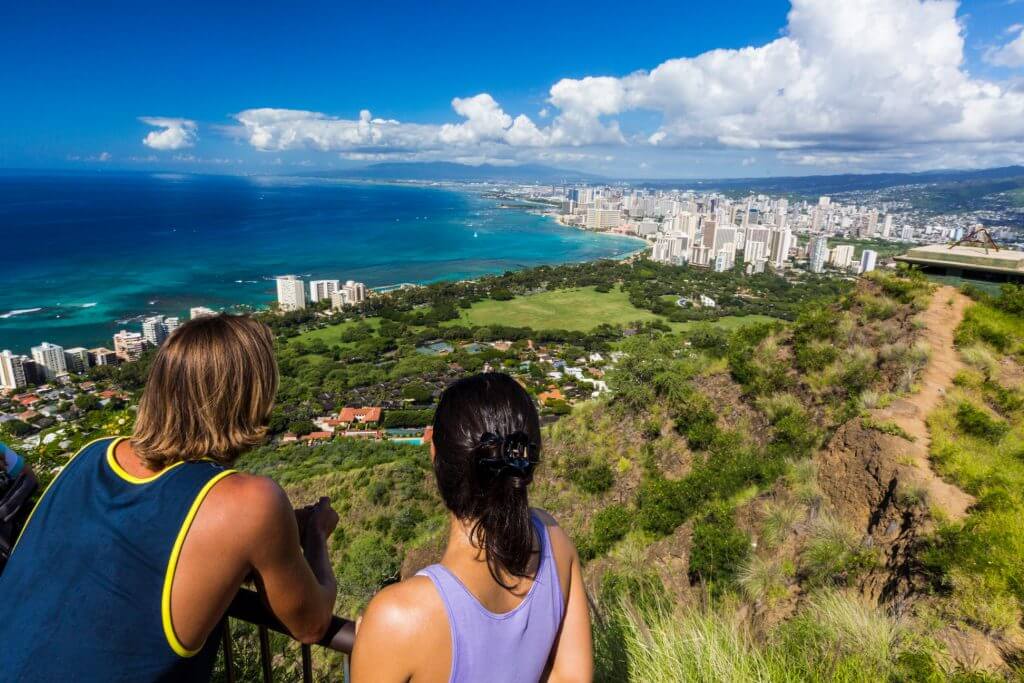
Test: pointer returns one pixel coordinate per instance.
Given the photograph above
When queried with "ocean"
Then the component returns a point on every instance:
(89, 254)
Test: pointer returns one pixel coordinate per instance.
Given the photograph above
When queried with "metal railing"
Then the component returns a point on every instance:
(248, 606)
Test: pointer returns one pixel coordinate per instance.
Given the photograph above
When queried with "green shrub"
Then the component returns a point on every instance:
(403, 528)
(378, 493)
(608, 526)
(369, 564)
(718, 551)
(398, 419)
(834, 555)
(661, 507)
(595, 477)
(976, 422)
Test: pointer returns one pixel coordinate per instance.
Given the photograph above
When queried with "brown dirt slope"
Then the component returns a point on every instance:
(882, 484)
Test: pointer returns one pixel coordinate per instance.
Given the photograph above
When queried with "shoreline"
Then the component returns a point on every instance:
(30, 332)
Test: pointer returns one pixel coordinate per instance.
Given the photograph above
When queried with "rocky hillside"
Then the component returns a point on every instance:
(837, 498)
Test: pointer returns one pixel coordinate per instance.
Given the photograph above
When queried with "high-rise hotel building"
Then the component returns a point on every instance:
(158, 328)
(77, 360)
(13, 370)
(128, 346)
(321, 290)
(291, 293)
(349, 294)
(50, 358)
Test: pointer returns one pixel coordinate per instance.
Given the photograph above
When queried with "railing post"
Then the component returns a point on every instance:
(229, 658)
(268, 671)
(307, 664)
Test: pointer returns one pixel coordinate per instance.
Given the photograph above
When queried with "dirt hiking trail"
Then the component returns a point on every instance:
(944, 313)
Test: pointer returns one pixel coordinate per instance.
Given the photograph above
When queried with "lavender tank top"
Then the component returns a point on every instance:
(509, 647)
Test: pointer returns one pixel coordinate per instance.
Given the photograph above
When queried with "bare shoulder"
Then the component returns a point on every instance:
(404, 610)
(560, 541)
(247, 501)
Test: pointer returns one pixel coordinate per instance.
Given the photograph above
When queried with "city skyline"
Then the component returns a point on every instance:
(765, 88)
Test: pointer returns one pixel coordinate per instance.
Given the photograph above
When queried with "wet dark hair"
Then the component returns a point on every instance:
(487, 443)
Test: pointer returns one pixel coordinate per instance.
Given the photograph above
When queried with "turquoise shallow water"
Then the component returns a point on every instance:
(89, 252)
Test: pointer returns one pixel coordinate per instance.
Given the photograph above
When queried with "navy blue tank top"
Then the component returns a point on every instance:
(86, 595)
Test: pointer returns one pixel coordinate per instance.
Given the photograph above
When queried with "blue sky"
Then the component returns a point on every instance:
(625, 89)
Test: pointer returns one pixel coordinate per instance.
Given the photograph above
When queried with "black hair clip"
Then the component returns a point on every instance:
(510, 454)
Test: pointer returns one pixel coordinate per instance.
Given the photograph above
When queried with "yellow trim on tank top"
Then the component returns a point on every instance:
(120, 471)
(172, 565)
(48, 486)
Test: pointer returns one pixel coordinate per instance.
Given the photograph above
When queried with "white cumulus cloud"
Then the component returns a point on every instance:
(847, 82)
(1012, 53)
(173, 134)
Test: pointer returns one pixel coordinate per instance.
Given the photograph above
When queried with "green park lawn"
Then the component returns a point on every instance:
(579, 309)
(331, 334)
(566, 309)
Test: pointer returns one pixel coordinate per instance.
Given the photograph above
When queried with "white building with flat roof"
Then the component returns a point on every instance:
(156, 329)
(50, 357)
(868, 258)
(842, 255)
(350, 294)
(12, 370)
(129, 346)
(77, 359)
(291, 293)
(321, 290)
(603, 219)
(817, 253)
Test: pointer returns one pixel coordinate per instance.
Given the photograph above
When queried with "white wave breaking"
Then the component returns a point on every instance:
(20, 311)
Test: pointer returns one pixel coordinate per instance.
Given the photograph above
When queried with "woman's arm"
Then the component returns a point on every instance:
(572, 658)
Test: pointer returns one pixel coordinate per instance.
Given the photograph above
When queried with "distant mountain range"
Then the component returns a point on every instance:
(846, 182)
(445, 170)
(999, 178)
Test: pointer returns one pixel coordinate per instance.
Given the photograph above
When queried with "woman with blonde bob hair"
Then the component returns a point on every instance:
(125, 568)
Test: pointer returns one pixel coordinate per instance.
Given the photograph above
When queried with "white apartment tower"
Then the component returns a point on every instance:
(321, 290)
(50, 358)
(781, 242)
(603, 219)
(817, 253)
(867, 261)
(291, 293)
(12, 370)
(157, 329)
(129, 346)
(77, 360)
(887, 226)
(349, 294)
(842, 255)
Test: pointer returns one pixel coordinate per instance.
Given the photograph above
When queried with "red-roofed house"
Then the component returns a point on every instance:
(368, 415)
(317, 436)
(551, 395)
(28, 400)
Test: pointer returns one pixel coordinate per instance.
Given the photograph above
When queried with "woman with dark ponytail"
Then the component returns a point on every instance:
(506, 602)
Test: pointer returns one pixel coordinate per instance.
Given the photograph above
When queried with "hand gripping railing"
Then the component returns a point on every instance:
(248, 606)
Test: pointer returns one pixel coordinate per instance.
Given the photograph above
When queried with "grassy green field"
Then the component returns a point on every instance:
(331, 334)
(566, 309)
